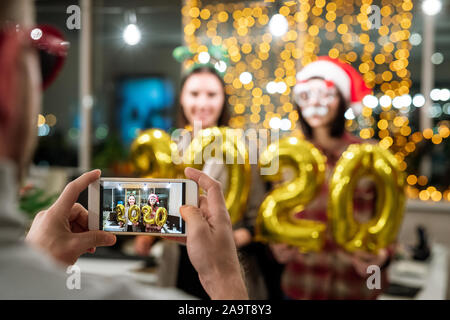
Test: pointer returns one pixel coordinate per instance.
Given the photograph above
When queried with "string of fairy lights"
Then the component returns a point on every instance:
(265, 59)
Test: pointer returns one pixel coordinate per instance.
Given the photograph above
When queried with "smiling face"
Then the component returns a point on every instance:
(202, 99)
(319, 103)
(152, 200)
(131, 200)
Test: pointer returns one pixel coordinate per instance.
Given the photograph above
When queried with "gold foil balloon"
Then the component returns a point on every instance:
(147, 214)
(120, 210)
(151, 154)
(227, 147)
(276, 221)
(361, 161)
(134, 213)
(160, 216)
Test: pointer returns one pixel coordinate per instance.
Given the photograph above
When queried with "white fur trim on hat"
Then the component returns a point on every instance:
(328, 71)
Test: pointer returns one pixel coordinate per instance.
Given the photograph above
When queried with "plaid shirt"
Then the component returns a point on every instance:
(330, 274)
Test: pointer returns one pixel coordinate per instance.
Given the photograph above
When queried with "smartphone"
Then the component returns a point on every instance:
(133, 206)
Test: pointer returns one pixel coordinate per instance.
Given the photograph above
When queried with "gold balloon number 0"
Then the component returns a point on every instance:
(380, 231)
(160, 216)
(275, 222)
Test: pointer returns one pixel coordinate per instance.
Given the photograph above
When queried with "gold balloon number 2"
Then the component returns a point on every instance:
(276, 223)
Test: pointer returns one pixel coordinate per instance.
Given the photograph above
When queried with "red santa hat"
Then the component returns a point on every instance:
(346, 78)
(52, 48)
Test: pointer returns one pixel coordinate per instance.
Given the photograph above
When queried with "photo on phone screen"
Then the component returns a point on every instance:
(142, 207)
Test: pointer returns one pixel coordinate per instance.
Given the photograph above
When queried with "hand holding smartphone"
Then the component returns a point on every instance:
(208, 234)
(133, 206)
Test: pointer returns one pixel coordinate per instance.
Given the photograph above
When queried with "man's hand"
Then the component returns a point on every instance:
(361, 260)
(62, 230)
(210, 242)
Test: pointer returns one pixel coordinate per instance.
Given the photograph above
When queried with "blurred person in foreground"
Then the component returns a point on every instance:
(34, 267)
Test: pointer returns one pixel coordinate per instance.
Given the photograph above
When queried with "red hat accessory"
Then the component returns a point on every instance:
(52, 49)
(47, 40)
(346, 78)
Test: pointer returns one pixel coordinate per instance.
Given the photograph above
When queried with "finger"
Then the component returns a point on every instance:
(360, 267)
(97, 238)
(71, 192)
(364, 255)
(207, 183)
(203, 202)
(383, 253)
(194, 219)
(79, 214)
(78, 218)
(203, 205)
(190, 214)
(91, 250)
(213, 189)
(76, 228)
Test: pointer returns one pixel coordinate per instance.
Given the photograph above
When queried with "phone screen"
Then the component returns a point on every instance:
(142, 207)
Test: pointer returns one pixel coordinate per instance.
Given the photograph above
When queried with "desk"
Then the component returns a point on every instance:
(117, 267)
(430, 275)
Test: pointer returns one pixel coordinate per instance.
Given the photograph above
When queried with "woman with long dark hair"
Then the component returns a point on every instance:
(131, 226)
(203, 101)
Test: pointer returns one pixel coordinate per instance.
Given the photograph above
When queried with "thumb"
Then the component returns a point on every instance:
(190, 213)
(193, 217)
(95, 238)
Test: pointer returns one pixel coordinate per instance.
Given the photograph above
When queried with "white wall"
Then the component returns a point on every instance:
(175, 197)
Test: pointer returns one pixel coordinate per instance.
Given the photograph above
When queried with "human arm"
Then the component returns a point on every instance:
(62, 230)
(210, 242)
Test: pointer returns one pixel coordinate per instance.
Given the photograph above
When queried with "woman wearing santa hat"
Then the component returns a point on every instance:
(326, 89)
(153, 202)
